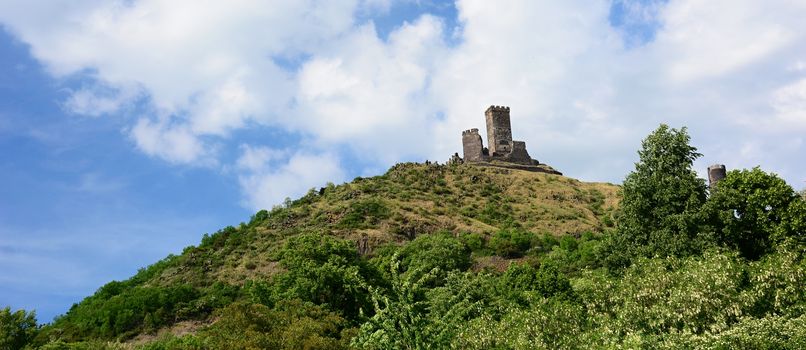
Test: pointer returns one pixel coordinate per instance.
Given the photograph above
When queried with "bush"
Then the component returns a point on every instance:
(119, 310)
(545, 281)
(497, 214)
(436, 251)
(512, 243)
(322, 270)
(474, 241)
(364, 214)
(291, 324)
(17, 328)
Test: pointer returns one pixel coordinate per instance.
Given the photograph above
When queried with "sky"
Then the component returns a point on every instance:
(130, 128)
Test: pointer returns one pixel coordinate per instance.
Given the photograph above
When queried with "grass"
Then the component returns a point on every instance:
(409, 200)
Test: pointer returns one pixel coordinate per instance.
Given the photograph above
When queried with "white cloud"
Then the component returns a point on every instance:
(257, 159)
(173, 143)
(555, 64)
(580, 97)
(789, 103)
(371, 93)
(87, 103)
(703, 39)
(264, 186)
(207, 67)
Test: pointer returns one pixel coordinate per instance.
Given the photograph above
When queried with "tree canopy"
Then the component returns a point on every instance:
(661, 200)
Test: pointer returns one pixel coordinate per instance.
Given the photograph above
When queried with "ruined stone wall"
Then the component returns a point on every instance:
(519, 154)
(501, 147)
(472, 149)
(499, 130)
(716, 172)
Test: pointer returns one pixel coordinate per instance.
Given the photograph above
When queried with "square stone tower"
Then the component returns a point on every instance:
(499, 130)
(472, 149)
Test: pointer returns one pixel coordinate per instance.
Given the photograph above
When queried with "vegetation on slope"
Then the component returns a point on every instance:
(436, 256)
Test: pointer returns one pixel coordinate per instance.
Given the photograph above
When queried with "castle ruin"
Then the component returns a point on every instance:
(499, 141)
(716, 173)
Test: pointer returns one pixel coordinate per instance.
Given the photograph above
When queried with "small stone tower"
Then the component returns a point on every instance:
(499, 130)
(472, 148)
(716, 173)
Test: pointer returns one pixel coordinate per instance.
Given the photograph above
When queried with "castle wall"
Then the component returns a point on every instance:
(499, 130)
(716, 172)
(472, 149)
(519, 154)
(501, 147)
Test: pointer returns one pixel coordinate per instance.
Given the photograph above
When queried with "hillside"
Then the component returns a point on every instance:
(410, 200)
(465, 256)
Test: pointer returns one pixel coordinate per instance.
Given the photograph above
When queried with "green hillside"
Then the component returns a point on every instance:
(476, 257)
(408, 201)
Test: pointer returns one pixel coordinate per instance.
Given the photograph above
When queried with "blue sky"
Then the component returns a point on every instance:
(129, 129)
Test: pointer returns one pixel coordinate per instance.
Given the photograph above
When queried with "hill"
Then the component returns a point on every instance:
(476, 256)
(408, 201)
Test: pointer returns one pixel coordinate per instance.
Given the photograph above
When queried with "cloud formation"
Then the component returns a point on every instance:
(584, 89)
(269, 184)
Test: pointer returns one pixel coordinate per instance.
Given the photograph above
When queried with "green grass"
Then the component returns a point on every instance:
(494, 211)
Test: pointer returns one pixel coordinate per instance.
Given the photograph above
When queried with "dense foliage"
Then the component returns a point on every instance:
(16, 328)
(680, 266)
(661, 201)
(753, 211)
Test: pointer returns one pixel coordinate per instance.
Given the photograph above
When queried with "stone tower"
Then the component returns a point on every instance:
(716, 173)
(472, 148)
(499, 130)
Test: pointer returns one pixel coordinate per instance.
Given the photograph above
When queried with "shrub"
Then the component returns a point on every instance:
(512, 243)
(474, 241)
(322, 270)
(364, 214)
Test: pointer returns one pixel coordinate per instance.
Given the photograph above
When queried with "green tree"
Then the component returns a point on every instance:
(661, 199)
(752, 211)
(323, 270)
(291, 324)
(546, 324)
(400, 320)
(439, 251)
(16, 328)
(520, 281)
(414, 315)
(512, 243)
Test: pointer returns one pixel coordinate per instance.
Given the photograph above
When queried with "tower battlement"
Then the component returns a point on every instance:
(473, 131)
(494, 108)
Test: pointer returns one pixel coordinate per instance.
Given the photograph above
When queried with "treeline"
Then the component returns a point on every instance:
(686, 266)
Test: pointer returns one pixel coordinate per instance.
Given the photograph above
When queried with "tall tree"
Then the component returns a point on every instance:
(661, 199)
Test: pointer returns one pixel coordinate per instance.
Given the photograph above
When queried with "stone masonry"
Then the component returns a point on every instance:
(472, 148)
(499, 130)
(716, 173)
(499, 140)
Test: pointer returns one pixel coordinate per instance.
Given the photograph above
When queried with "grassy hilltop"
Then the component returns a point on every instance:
(432, 256)
(408, 201)
(499, 215)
